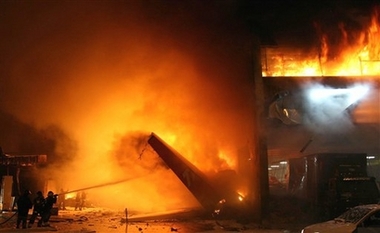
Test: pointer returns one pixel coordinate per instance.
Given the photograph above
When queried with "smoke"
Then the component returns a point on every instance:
(330, 109)
(101, 74)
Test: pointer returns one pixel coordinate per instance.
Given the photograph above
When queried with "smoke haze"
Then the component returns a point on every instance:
(86, 82)
(107, 73)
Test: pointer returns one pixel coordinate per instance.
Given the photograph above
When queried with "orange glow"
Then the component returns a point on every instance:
(241, 195)
(70, 195)
(107, 111)
(361, 57)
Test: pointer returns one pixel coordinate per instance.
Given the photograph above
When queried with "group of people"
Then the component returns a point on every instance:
(80, 200)
(41, 208)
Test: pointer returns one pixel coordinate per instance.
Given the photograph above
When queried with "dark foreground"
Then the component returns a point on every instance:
(283, 217)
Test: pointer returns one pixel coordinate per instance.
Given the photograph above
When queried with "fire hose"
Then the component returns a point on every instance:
(6, 220)
(99, 185)
(81, 189)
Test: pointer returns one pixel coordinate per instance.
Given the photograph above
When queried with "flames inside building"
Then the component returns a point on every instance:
(94, 90)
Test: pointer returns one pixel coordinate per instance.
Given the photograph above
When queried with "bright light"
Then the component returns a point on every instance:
(351, 94)
(240, 196)
(358, 92)
(342, 96)
(69, 195)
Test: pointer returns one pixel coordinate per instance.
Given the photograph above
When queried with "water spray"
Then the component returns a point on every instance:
(100, 185)
(323, 98)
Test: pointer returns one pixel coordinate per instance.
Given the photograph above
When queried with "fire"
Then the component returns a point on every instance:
(358, 57)
(69, 196)
(122, 111)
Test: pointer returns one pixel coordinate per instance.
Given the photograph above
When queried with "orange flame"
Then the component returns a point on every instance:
(361, 58)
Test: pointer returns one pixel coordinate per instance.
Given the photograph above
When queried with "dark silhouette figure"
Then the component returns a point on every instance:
(38, 205)
(62, 200)
(78, 201)
(23, 205)
(83, 199)
(50, 200)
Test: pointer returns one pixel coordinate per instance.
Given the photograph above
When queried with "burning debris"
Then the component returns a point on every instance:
(219, 201)
(107, 73)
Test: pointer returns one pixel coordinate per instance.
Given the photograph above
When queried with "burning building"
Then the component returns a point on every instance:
(325, 101)
(11, 166)
(103, 75)
(332, 89)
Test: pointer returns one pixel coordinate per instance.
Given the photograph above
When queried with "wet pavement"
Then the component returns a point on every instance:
(108, 221)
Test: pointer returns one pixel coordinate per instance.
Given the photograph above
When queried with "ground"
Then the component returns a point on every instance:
(284, 215)
(108, 221)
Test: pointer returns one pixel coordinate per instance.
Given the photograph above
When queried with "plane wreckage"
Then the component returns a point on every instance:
(220, 201)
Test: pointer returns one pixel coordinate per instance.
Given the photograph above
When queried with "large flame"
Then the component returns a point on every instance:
(359, 56)
(110, 73)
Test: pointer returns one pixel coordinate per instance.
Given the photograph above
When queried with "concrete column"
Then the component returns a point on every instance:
(259, 156)
(6, 193)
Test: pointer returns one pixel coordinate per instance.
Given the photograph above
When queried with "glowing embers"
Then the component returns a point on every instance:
(240, 197)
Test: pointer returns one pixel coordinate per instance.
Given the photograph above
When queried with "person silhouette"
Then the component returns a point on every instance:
(23, 205)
